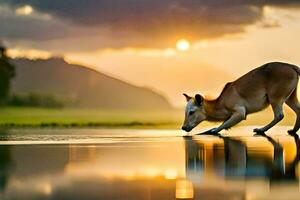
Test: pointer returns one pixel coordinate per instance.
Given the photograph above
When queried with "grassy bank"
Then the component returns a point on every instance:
(42, 117)
(20, 117)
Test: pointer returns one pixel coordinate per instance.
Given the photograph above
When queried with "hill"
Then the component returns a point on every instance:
(86, 87)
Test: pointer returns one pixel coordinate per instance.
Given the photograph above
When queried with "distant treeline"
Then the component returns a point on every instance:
(7, 72)
(36, 100)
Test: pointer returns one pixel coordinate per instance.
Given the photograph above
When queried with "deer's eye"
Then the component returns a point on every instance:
(191, 112)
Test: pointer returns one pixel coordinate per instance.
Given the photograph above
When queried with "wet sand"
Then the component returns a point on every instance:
(148, 164)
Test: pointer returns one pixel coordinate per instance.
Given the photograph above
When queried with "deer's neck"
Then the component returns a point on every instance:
(215, 111)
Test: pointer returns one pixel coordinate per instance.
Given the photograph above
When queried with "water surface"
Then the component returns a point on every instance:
(147, 165)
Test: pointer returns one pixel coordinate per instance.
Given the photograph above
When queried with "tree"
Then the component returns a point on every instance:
(7, 72)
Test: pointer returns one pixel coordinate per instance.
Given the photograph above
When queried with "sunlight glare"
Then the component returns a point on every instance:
(183, 45)
(24, 10)
(184, 189)
(171, 174)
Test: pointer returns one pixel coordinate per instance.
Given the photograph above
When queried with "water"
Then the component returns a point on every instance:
(147, 165)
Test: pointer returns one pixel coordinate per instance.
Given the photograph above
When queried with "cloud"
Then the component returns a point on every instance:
(135, 23)
(28, 25)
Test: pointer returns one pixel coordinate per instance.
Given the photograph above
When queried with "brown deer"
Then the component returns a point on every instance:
(271, 84)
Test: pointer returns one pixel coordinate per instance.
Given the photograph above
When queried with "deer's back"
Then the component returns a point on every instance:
(253, 88)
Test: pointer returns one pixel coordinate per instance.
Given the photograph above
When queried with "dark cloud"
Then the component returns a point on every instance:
(30, 29)
(145, 23)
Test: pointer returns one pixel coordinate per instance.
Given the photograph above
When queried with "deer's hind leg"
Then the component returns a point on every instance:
(293, 103)
(278, 116)
(278, 93)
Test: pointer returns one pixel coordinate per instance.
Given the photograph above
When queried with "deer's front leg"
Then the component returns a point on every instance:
(236, 117)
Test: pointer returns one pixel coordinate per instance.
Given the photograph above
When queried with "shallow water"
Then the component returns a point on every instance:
(147, 164)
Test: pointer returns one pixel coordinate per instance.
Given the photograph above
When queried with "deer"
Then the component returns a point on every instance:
(272, 84)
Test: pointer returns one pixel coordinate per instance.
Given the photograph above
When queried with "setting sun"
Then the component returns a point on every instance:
(182, 45)
(24, 10)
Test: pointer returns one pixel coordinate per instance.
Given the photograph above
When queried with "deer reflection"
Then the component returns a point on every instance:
(235, 154)
(230, 157)
(279, 170)
(194, 156)
(291, 168)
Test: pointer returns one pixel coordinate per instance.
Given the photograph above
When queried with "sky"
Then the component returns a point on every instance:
(170, 46)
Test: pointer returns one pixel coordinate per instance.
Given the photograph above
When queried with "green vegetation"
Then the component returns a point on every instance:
(20, 117)
(36, 100)
(45, 117)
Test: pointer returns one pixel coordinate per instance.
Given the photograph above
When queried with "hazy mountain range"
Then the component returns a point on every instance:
(84, 86)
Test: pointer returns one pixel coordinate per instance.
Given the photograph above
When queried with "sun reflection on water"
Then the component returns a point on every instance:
(184, 189)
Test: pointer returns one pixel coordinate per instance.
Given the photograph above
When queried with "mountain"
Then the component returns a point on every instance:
(85, 86)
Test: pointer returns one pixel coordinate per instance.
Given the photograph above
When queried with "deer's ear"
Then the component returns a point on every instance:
(187, 97)
(198, 99)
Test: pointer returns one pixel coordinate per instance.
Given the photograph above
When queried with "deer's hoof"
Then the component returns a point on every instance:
(258, 131)
(292, 132)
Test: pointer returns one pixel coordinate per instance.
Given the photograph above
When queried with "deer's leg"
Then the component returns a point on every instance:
(233, 120)
(236, 117)
(278, 116)
(293, 103)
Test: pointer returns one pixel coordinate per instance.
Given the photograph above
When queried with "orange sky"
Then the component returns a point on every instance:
(208, 64)
(204, 67)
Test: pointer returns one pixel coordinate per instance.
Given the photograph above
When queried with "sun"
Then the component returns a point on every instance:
(182, 45)
(24, 10)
